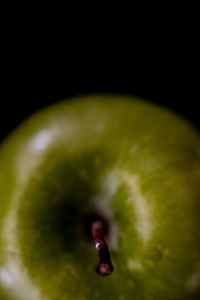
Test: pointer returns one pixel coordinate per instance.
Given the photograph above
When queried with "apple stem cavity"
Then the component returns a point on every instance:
(104, 266)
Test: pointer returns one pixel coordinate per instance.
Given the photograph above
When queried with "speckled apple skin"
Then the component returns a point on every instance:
(137, 165)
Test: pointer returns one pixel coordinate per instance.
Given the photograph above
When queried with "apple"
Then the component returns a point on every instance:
(99, 169)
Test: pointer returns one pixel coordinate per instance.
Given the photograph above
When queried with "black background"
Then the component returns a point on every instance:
(150, 52)
(32, 83)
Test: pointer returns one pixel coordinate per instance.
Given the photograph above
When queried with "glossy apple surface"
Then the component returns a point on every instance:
(132, 164)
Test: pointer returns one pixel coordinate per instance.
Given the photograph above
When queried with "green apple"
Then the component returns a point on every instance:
(119, 160)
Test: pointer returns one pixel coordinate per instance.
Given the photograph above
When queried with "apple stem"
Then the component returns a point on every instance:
(104, 266)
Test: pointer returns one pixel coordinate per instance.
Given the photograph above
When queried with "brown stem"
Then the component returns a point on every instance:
(104, 266)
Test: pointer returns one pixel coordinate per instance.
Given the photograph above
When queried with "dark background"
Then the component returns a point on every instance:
(168, 81)
(137, 52)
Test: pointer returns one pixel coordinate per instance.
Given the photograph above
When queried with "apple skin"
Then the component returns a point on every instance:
(134, 164)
